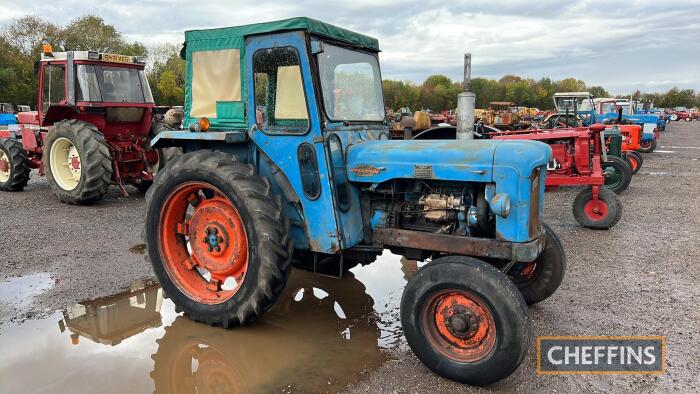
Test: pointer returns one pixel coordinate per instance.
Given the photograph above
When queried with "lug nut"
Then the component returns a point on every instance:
(220, 240)
(218, 249)
(209, 248)
(215, 231)
(207, 231)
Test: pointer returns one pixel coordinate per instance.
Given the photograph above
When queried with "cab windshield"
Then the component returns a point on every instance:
(351, 84)
(567, 103)
(111, 84)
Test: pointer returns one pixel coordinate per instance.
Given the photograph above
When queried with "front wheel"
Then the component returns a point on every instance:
(217, 238)
(618, 174)
(647, 146)
(539, 279)
(673, 117)
(465, 320)
(603, 215)
(14, 167)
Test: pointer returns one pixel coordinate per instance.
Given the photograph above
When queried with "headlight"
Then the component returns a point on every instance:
(500, 205)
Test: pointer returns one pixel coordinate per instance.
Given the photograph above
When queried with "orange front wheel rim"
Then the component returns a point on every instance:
(203, 242)
(459, 325)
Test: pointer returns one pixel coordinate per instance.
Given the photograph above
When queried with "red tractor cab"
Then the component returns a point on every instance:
(95, 114)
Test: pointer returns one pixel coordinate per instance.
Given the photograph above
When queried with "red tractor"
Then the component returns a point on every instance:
(577, 160)
(92, 127)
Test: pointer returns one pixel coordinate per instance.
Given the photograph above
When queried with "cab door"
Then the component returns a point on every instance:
(285, 126)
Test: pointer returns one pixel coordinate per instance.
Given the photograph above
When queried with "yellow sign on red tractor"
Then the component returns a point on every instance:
(111, 57)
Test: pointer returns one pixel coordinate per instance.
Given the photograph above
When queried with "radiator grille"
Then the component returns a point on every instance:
(535, 201)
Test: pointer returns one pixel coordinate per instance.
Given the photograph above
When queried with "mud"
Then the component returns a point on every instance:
(639, 278)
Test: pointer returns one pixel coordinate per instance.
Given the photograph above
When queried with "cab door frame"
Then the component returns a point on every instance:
(319, 214)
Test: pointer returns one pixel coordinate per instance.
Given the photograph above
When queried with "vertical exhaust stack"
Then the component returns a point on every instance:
(465, 104)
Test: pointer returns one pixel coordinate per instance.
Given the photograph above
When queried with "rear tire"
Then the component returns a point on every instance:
(648, 147)
(609, 214)
(252, 233)
(618, 174)
(14, 167)
(539, 279)
(636, 160)
(87, 184)
(465, 320)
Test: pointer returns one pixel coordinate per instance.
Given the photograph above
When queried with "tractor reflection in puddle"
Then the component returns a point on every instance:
(112, 319)
(321, 335)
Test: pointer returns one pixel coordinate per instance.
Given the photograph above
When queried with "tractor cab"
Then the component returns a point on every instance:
(573, 109)
(104, 89)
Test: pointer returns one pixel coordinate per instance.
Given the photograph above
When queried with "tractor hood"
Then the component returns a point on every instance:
(455, 160)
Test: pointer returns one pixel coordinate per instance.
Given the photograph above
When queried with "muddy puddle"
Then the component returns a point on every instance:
(323, 335)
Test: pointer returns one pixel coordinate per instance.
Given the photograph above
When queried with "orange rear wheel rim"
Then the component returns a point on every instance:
(459, 325)
(203, 242)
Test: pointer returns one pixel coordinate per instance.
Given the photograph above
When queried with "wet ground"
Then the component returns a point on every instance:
(78, 312)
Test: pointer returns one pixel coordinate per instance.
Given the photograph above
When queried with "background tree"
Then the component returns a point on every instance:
(90, 33)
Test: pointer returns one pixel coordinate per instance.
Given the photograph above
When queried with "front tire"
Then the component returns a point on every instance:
(465, 320)
(539, 279)
(14, 167)
(217, 238)
(607, 215)
(77, 162)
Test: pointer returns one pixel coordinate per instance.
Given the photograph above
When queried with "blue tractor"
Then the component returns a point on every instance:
(287, 161)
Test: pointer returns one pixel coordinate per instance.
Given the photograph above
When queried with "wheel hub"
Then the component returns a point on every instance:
(214, 231)
(4, 167)
(460, 325)
(203, 242)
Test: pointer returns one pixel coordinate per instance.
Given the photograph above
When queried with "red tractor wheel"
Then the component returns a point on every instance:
(601, 214)
(217, 239)
(473, 331)
(635, 160)
(77, 162)
(14, 167)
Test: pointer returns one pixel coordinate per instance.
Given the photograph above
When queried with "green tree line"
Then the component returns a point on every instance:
(21, 41)
(439, 93)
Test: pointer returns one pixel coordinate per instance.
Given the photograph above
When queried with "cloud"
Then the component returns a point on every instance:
(623, 46)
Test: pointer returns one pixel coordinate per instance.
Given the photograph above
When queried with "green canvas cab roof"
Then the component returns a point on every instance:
(216, 78)
(300, 23)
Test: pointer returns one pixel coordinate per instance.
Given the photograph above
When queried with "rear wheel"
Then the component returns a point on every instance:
(217, 238)
(77, 162)
(635, 160)
(603, 216)
(14, 168)
(539, 279)
(618, 174)
(647, 146)
(474, 330)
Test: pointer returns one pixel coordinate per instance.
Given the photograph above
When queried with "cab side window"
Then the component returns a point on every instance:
(54, 87)
(280, 102)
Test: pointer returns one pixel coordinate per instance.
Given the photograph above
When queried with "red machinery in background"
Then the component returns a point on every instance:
(92, 128)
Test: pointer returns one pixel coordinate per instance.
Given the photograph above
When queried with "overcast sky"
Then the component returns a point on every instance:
(621, 45)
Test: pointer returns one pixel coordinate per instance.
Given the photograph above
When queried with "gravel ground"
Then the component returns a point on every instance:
(639, 278)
